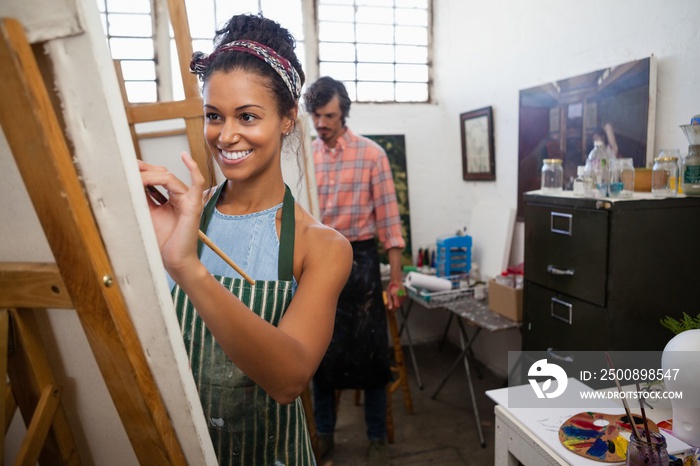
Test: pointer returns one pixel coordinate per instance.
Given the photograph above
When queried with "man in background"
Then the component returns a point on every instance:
(356, 197)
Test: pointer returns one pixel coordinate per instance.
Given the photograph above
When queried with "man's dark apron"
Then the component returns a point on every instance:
(246, 425)
(358, 356)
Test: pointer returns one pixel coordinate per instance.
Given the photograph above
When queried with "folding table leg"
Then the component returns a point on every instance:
(444, 333)
(466, 344)
(404, 325)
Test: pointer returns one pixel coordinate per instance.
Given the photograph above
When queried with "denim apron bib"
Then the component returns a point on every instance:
(246, 425)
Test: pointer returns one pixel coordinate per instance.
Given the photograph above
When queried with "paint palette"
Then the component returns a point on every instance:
(598, 436)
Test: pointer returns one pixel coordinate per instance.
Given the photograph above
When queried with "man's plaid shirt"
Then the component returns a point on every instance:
(356, 194)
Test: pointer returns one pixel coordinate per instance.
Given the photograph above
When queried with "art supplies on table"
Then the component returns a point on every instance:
(427, 282)
(599, 436)
(432, 291)
(453, 255)
(545, 424)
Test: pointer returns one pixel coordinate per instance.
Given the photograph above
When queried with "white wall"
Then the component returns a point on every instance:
(485, 52)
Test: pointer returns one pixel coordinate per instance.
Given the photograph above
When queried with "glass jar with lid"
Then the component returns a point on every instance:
(552, 176)
(664, 177)
(621, 178)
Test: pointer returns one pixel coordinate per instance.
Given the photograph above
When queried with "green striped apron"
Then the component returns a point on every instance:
(246, 425)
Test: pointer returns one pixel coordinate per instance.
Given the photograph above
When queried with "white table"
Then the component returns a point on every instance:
(519, 439)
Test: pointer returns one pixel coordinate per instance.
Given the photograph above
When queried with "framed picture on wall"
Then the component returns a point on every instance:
(478, 158)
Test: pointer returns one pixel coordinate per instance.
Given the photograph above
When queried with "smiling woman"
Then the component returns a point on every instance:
(252, 348)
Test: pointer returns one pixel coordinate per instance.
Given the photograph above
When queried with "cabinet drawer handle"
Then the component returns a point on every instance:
(561, 310)
(557, 271)
(561, 223)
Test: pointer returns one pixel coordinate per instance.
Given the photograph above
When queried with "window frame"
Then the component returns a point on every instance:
(165, 75)
(352, 84)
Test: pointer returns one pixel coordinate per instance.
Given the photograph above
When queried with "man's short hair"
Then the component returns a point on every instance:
(322, 91)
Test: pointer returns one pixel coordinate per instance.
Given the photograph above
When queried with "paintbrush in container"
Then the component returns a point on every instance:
(644, 413)
(161, 199)
(624, 401)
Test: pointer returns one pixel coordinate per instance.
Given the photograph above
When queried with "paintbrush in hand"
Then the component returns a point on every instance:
(161, 199)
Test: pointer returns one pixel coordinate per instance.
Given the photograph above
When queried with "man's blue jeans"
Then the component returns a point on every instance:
(375, 412)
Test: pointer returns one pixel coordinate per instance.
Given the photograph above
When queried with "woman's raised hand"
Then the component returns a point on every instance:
(176, 222)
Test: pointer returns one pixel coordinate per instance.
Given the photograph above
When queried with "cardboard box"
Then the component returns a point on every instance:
(506, 301)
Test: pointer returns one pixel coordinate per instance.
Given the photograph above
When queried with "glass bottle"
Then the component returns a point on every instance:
(597, 172)
(622, 178)
(641, 452)
(664, 177)
(578, 181)
(552, 176)
(691, 171)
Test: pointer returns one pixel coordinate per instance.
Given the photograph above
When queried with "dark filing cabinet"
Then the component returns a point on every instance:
(600, 274)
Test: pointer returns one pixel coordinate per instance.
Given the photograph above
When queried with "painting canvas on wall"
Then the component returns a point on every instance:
(558, 120)
(395, 148)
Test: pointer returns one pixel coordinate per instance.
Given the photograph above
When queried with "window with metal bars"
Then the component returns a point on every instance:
(380, 49)
(128, 26)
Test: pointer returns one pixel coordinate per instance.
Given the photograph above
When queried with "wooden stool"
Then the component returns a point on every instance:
(401, 381)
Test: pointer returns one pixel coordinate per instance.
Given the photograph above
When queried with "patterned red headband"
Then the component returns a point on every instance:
(200, 62)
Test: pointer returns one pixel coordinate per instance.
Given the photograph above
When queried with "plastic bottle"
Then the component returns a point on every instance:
(597, 171)
(578, 181)
(691, 171)
(474, 274)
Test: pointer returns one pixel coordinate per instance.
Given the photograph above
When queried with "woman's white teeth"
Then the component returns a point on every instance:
(235, 155)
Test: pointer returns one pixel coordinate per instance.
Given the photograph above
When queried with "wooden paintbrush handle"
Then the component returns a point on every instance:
(205, 239)
(161, 199)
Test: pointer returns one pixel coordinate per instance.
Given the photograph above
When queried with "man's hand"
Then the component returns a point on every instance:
(396, 293)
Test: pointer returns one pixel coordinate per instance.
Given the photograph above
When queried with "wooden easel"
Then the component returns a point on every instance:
(86, 284)
(190, 109)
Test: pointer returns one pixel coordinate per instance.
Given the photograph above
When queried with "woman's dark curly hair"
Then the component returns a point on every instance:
(267, 32)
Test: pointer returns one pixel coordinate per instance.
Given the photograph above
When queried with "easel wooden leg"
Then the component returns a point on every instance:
(49, 437)
(402, 379)
(39, 426)
(10, 407)
(44, 160)
(4, 338)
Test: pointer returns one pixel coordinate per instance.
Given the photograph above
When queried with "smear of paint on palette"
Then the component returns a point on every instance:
(597, 436)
